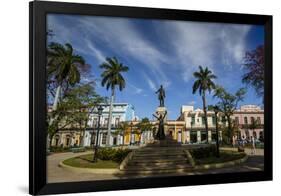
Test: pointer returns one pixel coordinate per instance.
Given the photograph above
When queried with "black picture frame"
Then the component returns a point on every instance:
(37, 97)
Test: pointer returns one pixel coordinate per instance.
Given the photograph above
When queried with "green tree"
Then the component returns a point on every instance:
(63, 67)
(111, 78)
(254, 64)
(84, 100)
(64, 119)
(228, 104)
(204, 82)
(74, 110)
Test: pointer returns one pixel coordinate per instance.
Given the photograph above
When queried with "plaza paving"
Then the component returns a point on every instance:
(58, 174)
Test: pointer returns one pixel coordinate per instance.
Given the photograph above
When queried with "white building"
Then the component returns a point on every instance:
(121, 112)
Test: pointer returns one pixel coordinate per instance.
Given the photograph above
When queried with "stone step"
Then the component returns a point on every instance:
(148, 160)
(157, 167)
(157, 149)
(159, 156)
(158, 171)
(163, 152)
(155, 164)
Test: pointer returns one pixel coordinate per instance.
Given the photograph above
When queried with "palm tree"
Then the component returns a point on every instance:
(63, 66)
(202, 84)
(112, 77)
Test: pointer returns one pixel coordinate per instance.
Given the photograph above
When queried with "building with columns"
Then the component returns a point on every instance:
(246, 117)
(121, 112)
(188, 128)
(72, 137)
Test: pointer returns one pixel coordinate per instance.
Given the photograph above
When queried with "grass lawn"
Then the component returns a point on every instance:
(85, 161)
(224, 157)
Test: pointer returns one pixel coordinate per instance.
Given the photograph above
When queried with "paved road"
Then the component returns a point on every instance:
(58, 174)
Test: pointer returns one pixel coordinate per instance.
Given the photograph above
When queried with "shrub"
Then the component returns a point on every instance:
(106, 153)
(203, 152)
(120, 155)
(116, 155)
(59, 149)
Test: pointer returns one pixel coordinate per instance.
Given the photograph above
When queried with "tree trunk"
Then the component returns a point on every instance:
(217, 135)
(50, 142)
(110, 117)
(82, 138)
(205, 115)
(55, 105)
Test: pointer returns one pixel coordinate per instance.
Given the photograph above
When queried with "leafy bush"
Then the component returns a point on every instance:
(59, 149)
(116, 155)
(203, 152)
(120, 155)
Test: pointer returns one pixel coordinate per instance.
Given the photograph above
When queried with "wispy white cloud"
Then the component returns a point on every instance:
(96, 52)
(206, 44)
(191, 103)
(135, 89)
(121, 35)
(188, 44)
(150, 83)
(65, 34)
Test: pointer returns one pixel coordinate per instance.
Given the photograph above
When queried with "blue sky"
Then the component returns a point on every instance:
(160, 52)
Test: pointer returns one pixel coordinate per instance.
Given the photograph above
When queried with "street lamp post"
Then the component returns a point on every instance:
(100, 109)
(191, 123)
(217, 132)
(131, 133)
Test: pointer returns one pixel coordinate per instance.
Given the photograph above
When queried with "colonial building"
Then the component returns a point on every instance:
(189, 128)
(250, 121)
(121, 112)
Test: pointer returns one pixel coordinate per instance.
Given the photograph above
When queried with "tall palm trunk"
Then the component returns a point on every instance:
(110, 117)
(55, 104)
(205, 115)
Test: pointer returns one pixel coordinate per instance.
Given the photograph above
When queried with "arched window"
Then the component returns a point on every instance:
(245, 120)
(57, 139)
(252, 120)
(261, 136)
(67, 140)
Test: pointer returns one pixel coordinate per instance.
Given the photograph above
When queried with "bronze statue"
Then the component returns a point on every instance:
(161, 95)
(160, 134)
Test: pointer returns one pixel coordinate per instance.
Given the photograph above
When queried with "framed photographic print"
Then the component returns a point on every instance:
(131, 97)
